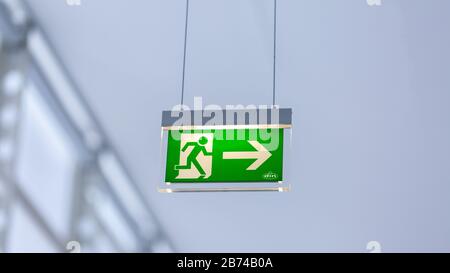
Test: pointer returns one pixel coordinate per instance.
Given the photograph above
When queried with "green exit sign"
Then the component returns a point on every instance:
(224, 155)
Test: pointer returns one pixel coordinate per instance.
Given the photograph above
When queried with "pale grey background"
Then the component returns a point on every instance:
(369, 86)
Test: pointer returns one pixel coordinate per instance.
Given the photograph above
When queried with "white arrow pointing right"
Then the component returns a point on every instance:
(261, 155)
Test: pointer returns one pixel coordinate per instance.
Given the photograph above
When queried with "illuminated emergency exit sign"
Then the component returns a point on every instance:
(236, 146)
(224, 155)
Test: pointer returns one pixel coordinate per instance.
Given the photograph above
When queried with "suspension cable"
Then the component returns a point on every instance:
(185, 51)
(274, 80)
(274, 53)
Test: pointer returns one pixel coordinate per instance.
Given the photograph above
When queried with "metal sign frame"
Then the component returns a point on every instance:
(207, 120)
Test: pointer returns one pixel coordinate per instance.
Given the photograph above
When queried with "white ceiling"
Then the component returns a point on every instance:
(369, 87)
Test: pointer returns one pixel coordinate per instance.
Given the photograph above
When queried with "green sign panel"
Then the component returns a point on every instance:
(226, 155)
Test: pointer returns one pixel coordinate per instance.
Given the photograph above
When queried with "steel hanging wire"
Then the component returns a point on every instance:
(274, 76)
(185, 51)
(274, 53)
